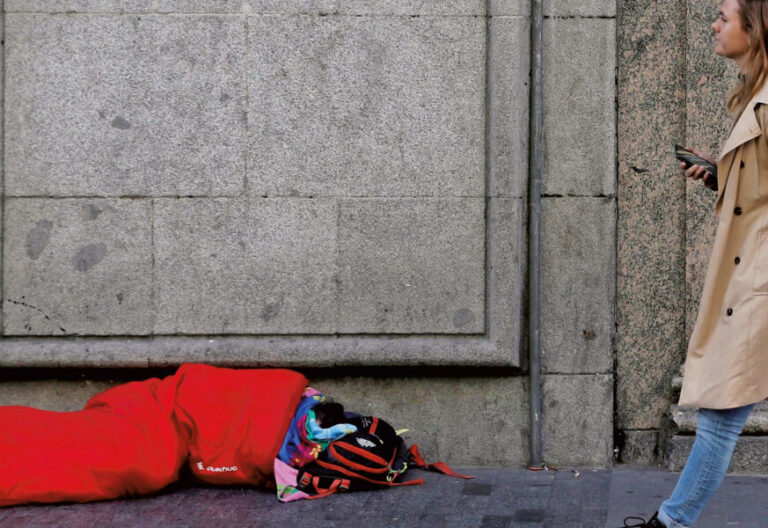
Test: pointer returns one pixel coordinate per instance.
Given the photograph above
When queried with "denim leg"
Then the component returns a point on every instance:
(716, 433)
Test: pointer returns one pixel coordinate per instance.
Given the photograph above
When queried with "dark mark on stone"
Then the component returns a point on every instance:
(638, 170)
(120, 298)
(477, 489)
(26, 305)
(37, 238)
(270, 311)
(90, 212)
(89, 256)
(121, 123)
(102, 114)
(463, 317)
(224, 98)
(529, 516)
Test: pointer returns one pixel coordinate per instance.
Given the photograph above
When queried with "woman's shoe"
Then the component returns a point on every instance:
(653, 522)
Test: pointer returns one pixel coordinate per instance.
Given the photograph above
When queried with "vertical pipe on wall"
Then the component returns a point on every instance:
(534, 232)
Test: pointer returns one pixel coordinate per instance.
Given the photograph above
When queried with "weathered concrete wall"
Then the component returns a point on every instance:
(316, 183)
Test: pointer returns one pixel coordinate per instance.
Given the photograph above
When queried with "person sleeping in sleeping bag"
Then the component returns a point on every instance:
(226, 425)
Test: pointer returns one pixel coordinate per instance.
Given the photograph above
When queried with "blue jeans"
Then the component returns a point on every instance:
(716, 433)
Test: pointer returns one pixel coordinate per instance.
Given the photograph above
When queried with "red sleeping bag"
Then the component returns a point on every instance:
(133, 439)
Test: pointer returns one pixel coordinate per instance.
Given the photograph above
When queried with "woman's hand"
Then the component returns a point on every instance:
(697, 172)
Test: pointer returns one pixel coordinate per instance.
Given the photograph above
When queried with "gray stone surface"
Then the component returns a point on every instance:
(578, 284)
(651, 203)
(509, 100)
(685, 418)
(577, 419)
(435, 7)
(388, 106)
(2, 132)
(312, 7)
(172, 6)
(510, 8)
(749, 457)
(463, 421)
(579, 98)
(124, 105)
(640, 447)
(497, 497)
(506, 274)
(269, 350)
(252, 265)
(411, 266)
(77, 266)
(412, 7)
(738, 502)
(580, 8)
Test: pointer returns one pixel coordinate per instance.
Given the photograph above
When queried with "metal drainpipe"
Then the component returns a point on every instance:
(534, 231)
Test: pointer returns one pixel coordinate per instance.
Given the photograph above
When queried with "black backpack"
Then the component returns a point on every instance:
(374, 457)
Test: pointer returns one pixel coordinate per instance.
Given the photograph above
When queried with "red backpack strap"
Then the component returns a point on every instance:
(336, 486)
(440, 467)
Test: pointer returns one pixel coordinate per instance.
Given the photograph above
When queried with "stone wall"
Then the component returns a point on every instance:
(333, 185)
(672, 89)
(579, 232)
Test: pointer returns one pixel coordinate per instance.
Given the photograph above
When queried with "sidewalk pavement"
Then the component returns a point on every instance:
(496, 498)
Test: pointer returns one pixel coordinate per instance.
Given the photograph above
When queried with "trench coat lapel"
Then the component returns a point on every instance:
(745, 129)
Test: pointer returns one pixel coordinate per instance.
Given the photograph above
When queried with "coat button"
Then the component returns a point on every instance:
(737, 260)
(741, 166)
(729, 312)
(737, 211)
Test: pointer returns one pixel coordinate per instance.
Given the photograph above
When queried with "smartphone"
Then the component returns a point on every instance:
(689, 158)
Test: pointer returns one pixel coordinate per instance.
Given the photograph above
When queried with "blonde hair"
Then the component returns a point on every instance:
(754, 19)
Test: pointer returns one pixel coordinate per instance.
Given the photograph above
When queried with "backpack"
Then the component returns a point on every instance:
(374, 457)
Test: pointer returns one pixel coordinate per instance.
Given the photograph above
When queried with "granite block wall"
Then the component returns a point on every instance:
(579, 232)
(329, 184)
(315, 183)
(651, 228)
(304, 181)
(308, 183)
(672, 90)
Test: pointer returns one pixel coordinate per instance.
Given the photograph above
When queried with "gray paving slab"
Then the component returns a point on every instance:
(497, 498)
(740, 501)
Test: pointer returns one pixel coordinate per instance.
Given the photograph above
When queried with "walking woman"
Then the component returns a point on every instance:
(726, 370)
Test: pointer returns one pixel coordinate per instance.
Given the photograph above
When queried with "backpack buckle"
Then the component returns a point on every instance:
(305, 479)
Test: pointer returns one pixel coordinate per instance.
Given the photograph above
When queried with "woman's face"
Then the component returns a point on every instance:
(731, 38)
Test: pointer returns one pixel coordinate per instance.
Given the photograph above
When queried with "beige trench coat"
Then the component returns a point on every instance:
(727, 363)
